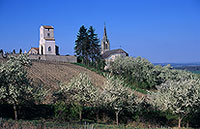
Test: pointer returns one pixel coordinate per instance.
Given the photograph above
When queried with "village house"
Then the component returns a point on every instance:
(33, 51)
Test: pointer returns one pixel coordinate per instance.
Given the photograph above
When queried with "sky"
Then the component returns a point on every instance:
(158, 30)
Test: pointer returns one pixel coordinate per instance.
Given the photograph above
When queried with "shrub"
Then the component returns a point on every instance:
(64, 112)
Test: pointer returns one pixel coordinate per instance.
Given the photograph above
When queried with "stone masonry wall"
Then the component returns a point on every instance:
(56, 58)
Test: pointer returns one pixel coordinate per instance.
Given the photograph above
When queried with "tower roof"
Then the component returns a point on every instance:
(48, 27)
(105, 33)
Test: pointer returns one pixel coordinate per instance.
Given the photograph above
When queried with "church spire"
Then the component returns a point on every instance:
(105, 34)
(105, 44)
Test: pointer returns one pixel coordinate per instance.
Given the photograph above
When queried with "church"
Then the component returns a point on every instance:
(48, 50)
(107, 54)
(47, 45)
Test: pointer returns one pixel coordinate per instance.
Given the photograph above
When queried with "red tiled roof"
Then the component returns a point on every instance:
(48, 27)
(37, 49)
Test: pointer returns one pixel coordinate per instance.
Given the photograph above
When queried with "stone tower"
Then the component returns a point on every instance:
(105, 44)
(47, 41)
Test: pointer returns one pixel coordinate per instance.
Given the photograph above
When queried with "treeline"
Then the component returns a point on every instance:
(13, 52)
(195, 69)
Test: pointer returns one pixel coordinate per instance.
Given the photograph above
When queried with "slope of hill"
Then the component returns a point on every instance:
(50, 74)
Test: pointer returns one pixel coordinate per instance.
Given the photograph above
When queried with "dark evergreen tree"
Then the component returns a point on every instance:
(20, 51)
(14, 51)
(1, 52)
(94, 45)
(87, 46)
(81, 44)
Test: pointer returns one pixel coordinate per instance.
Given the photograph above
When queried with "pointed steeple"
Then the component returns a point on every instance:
(105, 34)
(105, 44)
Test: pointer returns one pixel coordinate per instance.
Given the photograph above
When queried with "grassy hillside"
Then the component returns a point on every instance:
(50, 74)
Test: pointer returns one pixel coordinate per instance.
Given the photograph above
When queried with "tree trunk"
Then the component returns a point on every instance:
(97, 114)
(187, 125)
(15, 111)
(80, 115)
(117, 117)
(179, 123)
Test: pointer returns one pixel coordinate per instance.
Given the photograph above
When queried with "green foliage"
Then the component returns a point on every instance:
(20, 51)
(136, 71)
(163, 74)
(138, 89)
(98, 70)
(1, 52)
(143, 74)
(15, 86)
(81, 43)
(80, 90)
(66, 112)
(58, 125)
(28, 112)
(118, 97)
(87, 46)
(180, 97)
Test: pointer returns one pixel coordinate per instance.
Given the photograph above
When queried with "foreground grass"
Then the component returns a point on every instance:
(40, 124)
(35, 124)
(91, 68)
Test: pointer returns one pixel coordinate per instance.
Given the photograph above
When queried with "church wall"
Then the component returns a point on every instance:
(52, 45)
(114, 56)
(41, 32)
(56, 58)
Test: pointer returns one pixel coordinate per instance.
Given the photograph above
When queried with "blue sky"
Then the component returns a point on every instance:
(159, 30)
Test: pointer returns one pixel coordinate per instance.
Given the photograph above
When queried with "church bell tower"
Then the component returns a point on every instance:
(105, 44)
(47, 41)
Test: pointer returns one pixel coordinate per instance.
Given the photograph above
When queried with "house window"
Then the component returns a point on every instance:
(48, 34)
(49, 48)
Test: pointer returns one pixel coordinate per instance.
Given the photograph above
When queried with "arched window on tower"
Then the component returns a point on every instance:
(41, 50)
(106, 46)
(49, 48)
